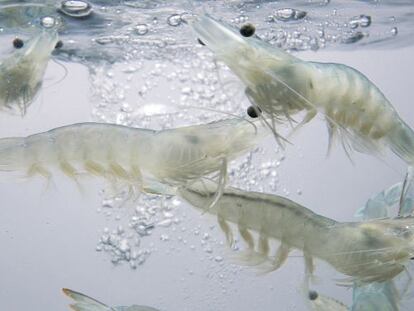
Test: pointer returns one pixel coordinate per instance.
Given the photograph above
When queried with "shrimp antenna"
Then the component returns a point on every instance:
(65, 74)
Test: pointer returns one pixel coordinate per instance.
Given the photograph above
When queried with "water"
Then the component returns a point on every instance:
(137, 63)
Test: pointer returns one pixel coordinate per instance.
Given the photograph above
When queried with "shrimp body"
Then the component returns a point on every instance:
(130, 155)
(367, 251)
(21, 74)
(283, 85)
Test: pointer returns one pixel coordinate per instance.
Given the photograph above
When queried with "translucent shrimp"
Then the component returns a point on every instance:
(369, 251)
(85, 303)
(21, 74)
(144, 160)
(282, 85)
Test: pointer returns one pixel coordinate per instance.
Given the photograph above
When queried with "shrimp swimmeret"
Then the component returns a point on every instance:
(85, 303)
(368, 251)
(282, 85)
(21, 74)
(140, 158)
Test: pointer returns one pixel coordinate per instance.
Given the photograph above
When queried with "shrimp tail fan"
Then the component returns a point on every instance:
(85, 303)
(11, 153)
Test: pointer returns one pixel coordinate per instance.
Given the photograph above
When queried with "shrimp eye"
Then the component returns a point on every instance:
(247, 30)
(313, 295)
(201, 42)
(59, 44)
(253, 112)
(18, 43)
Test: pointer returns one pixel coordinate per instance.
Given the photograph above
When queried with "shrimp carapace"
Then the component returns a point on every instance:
(369, 251)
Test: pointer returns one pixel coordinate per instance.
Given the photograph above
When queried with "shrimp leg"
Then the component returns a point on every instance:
(281, 256)
(308, 117)
(221, 184)
(224, 226)
(408, 184)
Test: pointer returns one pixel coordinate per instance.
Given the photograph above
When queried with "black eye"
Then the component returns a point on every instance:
(253, 112)
(18, 43)
(313, 295)
(59, 44)
(247, 30)
(201, 42)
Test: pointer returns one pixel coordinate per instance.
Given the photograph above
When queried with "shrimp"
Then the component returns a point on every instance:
(145, 160)
(21, 74)
(282, 85)
(369, 251)
(85, 303)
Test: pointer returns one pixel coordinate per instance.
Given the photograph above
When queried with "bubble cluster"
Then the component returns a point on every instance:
(124, 244)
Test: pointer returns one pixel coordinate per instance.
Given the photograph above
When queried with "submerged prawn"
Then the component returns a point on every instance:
(21, 74)
(145, 160)
(282, 85)
(369, 251)
(85, 303)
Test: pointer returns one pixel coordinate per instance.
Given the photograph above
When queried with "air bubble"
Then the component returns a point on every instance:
(288, 14)
(48, 21)
(141, 29)
(394, 31)
(174, 20)
(361, 20)
(353, 38)
(76, 8)
(218, 259)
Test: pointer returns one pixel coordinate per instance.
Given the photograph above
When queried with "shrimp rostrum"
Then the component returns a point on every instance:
(282, 85)
(142, 159)
(374, 250)
(21, 73)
